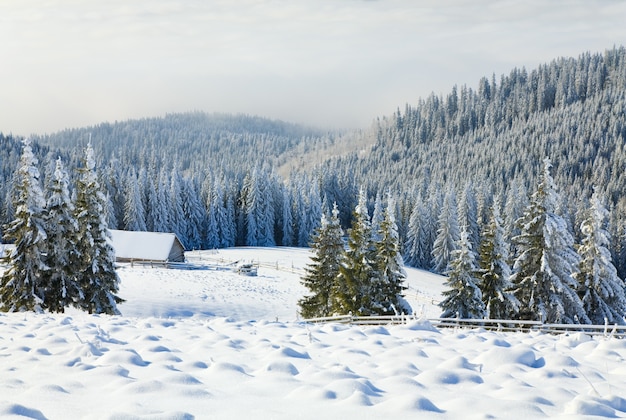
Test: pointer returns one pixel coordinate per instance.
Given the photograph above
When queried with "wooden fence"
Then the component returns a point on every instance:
(216, 258)
(507, 325)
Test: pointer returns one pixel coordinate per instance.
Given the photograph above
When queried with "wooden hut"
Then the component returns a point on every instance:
(157, 247)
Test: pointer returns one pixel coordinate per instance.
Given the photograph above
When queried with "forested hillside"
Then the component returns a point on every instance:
(223, 180)
(571, 110)
(491, 140)
(207, 177)
(198, 143)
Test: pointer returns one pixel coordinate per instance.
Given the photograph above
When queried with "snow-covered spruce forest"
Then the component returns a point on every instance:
(462, 167)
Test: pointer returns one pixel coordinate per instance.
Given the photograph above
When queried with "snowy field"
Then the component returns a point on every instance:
(211, 344)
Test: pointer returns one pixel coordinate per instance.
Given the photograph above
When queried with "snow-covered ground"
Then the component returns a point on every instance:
(214, 344)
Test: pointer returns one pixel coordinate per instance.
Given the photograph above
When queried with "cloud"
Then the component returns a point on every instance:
(71, 63)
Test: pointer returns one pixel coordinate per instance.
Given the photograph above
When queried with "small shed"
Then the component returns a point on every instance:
(147, 246)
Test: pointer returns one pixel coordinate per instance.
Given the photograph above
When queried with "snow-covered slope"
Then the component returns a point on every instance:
(207, 344)
(272, 295)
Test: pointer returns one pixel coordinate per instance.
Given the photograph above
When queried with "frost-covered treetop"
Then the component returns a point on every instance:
(548, 187)
(361, 208)
(90, 161)
(335, 211)
(324, 221)
(30, 174)
(60, 192)
(391, 204)
(29, 161)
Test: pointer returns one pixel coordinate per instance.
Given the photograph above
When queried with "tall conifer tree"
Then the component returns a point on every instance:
(194, 213)
(542, 273)
(214, 207)
(62, 258)
(227, 222)
(97, 277)
(134, 211)
(468, 215)
(321, 274)
(353, 289)
(601, 290)
(377, 217)
(463, 297)
(412, 249)
(22, 284)
(389, 283)
(250, 204)
(447, 233)
(493, 259)
(287, 219)
(176, 218)
(160, 204)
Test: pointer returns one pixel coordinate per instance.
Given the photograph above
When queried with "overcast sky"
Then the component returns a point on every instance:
(339, 63)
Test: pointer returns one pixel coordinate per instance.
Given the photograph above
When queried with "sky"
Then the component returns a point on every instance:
(329, 63)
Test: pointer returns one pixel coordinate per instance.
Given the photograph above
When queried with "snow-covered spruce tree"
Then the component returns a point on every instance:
(352, 293)
(151, 202)
(227, 224)
(601, 290)
(287, 218)
(463, 297)
(515, 203)
(309, 211)
(220, 226)
(266, 214)
(214, 207)
(447, 233)
(412, 246)
(389, 283)
(62, 258)
(159, 204)
(322, 273)
(194, 212)
(250, 204)
(619, 242)
(110, 212)
(115, 191)
(542, 272)
(495, 285)
(96, 273)
(468, 215)
(432, 211)
(301, 218)
(315, 208)
(134, 212)
(176, 219)
(377, 218)
(7, 206)
(22, 284)
(144, 188)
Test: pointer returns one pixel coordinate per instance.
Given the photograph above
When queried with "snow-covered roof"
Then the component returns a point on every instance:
(146, 246)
